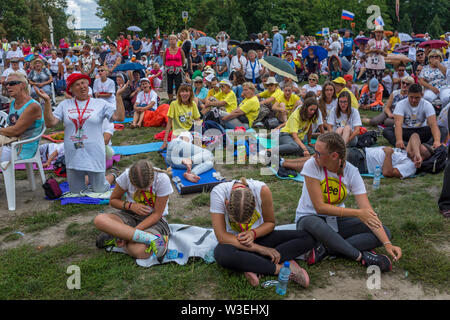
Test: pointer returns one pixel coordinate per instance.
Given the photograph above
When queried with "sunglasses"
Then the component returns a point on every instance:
(311, 79)
(406, 83)
(420, 54)
(401, 70)
(12, 83)
(435, 57)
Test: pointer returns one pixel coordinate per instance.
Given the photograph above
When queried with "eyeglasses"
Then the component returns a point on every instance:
(318, 153)
(435, 57)
(401, 70)
(311, 79)
(12, 83)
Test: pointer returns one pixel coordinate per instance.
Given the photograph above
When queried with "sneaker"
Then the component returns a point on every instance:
(287, 173)
(258, 125)
(370, 258)
(446, 213)
(317, 254)
(105, 240)
(298, 274)
(252, 278)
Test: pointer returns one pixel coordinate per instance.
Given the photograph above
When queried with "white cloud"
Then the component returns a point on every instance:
(84, 11)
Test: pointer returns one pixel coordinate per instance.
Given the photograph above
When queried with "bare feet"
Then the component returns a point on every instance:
(298, 274)
(252, 278)
(191, 177)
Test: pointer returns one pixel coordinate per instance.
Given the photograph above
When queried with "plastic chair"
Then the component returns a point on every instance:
(3, 119)
(9, 172)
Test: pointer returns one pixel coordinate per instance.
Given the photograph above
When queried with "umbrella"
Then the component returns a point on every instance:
(401, 49)
(30, 57)
(388, 33)
(420, 35)
(129, 66)
(251, 45)
(253, 36)
(206, 41)
(396, 58)
(434, 44)
(232, 52)
(404, 37)
(134, 28)
(234, 42)
(279, 66)
(417, 40)
(320, 52)
(198, 33)
(362, 40)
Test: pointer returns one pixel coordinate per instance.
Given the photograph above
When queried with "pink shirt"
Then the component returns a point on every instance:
(173, 60)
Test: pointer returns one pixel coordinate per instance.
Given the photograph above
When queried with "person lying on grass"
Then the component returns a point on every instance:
(140, 226)
(243, 220)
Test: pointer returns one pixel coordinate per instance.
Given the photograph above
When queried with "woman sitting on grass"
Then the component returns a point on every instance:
(243, 220)
(147, 99)
(345, 120)
(353, 233)
(142, 215)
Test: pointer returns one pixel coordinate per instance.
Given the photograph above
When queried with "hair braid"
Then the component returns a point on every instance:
(242, 203)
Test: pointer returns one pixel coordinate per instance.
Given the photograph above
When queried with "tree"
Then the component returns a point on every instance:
(238, 30)
(212, 28)
(405, 24)
(435, 29)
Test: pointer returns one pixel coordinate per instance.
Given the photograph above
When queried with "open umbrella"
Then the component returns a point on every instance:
(134, 29)
(362, 40)
(234, 42)
(251, 45)
(320, 52)
(279, 66)
(31, 56)
(404, 37)
(402, 49)
(206, 41)
(198, 33)
(420, 35)
(396, 58)
(417, 40)
(434, 44)
(388, 33)
(129, 66)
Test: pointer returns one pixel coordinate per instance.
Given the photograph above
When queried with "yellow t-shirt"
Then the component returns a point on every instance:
(393, 41)
(355, 103)
(290, 104)
(213, 92)
(229, 98)
(183, 116)
(295, 124)
(266, 94)
(250, 108)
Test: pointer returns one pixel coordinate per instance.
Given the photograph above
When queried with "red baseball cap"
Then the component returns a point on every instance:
(73, 78)
(348, 77)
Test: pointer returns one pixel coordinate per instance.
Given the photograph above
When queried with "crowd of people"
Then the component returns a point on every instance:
(236, 89)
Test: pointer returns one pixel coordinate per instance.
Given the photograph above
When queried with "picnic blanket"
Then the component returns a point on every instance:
(126, 120)
(84, 198)
(138, 148)
(192, 241)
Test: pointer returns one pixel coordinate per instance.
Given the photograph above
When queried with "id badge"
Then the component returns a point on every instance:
(78, 145)
(375, 60)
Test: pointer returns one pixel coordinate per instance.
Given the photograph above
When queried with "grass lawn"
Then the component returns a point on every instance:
(408, 208)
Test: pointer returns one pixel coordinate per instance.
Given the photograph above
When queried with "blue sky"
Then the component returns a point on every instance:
(84, 11)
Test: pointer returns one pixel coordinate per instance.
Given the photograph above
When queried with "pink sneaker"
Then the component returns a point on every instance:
(298, 274)
(252, 278)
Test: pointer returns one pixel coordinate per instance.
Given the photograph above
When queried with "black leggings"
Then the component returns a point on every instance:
(289, 243)
(424, 133)
(171, 79)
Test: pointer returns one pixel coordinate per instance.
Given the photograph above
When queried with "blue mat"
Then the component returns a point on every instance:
(369, 175)
(298, 178)
(206, 182)
(127, 120)
(138, 148)
(81, 200)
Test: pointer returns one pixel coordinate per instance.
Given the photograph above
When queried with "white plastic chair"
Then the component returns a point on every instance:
(9, 172)
(3, 119)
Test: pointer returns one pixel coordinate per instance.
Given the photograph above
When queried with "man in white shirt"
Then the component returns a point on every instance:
(15, 52)
(238, 62)
(415, 115)
(14, 67)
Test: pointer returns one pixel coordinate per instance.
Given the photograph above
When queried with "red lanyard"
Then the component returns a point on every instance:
(146, 98)
(80, 116)
(150, 202)
(328, 190)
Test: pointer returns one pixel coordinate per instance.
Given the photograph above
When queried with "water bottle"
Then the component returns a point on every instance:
(376, 178)
(283, 279)
(209, 257)
(174, 254)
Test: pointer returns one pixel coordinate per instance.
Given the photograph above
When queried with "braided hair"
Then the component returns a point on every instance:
(142, 174)
(335, 143)
(242, 203)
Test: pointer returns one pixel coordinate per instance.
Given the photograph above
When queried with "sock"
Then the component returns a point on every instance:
(281, 161)
(144, 237)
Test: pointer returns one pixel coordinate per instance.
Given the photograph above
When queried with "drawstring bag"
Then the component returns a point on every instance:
(52, 189)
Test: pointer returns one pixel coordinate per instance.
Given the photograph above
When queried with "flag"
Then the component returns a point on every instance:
(347, 15)
(397, 9)
(379, 21)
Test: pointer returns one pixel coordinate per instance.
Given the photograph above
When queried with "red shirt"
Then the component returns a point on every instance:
(121, 45)
(26, 50)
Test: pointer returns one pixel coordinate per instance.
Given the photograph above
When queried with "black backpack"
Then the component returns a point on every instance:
(437, 162)
(367, 139)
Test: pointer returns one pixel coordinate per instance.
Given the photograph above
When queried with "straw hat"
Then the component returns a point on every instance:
(271, 80)
(275, 29)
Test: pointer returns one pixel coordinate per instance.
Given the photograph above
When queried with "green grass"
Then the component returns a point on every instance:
(408, 207)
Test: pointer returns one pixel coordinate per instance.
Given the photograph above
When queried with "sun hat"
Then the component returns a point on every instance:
(340, 80)
(15, 59)
(75, 77)
(373, 85)
(275, 28)
(144, 79)
(271, 80)
(378, 28)
(198, 78)
(209, 77)
(226, 82)
(408, 79)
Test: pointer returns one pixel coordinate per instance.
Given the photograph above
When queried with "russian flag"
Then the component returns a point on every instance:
(347, 15)
(379, 21)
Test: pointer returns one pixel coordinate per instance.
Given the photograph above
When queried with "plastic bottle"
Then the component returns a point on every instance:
(376, 178)
(174, 254)
(283, 279)
(209, 257)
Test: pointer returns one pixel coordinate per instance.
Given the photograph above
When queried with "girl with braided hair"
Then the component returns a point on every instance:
(243, 220)
(142, 215)
(353, 233)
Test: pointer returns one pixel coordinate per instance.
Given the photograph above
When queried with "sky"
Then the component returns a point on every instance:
(84, 11)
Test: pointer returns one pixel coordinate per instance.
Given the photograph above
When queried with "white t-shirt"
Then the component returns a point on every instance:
(314, 89)
(334, 47)
(10, 70)
(351, 182)
(331, 106)
(400, 161)
(106, 87)
(108, 127)
(387, 81)
(235, 65)
(84, 147)
(146, 98)
(15, 54)
(52, 147)
(396, 76)
(248, 69)
(222, 192)
(414, 117)
(315, 125)
(223, 45)
(343, 120)
(53, 64)
(161, 187)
